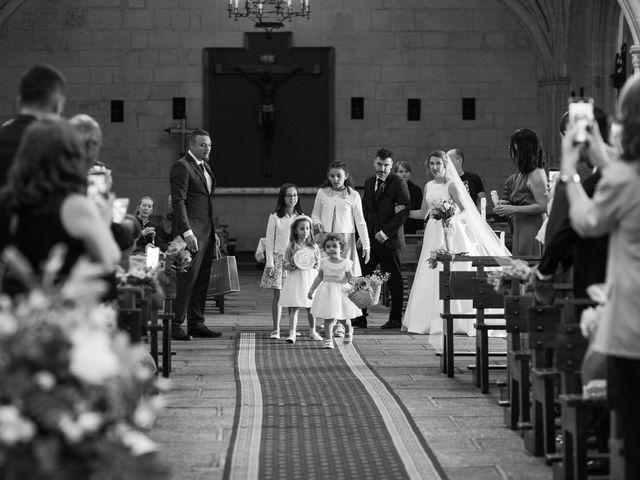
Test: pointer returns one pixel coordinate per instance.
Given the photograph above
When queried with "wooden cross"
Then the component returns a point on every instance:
(184, 133)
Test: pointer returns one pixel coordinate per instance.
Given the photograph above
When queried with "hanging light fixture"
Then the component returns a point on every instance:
(268, 14)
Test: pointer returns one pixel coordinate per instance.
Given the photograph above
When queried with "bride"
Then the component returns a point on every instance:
(468, 232)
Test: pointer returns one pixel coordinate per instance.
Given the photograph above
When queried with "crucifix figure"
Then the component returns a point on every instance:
(267, 84)
(184, 133)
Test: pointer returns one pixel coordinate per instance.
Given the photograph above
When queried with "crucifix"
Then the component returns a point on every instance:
(267, 77)
(184, 132)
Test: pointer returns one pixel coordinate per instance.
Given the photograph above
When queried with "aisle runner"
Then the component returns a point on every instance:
(306, 412)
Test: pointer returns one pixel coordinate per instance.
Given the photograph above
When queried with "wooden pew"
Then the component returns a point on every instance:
(517, 413)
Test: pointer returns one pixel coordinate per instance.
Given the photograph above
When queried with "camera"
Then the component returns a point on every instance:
(581, 114)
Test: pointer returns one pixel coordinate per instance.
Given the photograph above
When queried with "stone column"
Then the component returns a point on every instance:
(635, 57)
(553, 98)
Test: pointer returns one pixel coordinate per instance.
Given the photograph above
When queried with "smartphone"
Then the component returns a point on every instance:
(120, 206)
(494, 197)
(581, 113)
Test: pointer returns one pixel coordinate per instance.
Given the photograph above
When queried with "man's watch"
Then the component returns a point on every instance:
(575, 178)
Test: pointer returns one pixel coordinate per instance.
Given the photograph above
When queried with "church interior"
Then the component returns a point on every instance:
(282, 101)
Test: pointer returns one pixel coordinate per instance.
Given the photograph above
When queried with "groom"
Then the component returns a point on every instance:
(382, 193)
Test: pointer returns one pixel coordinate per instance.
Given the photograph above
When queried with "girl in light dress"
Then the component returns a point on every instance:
(277, 239)
(338, 209)
(299, 276)
(331, 301)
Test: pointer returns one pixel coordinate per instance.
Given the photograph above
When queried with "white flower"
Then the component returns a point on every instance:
(589, 321)
(14, 427)
(138, 442)
(92, 357)
(45, 380)
(89, 422)
(8, 324)
(70, 429)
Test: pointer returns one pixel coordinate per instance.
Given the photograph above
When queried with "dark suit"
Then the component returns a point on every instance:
(10, 136)
(193, 210)
(380, 215)
(588, 255)
(415, 192)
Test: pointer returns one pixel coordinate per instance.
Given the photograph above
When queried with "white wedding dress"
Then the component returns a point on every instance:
(424, 306)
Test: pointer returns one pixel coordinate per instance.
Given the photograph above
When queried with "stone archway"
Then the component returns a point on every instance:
(7, 8)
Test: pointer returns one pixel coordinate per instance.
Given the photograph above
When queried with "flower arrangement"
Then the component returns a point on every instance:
(592, 316)
(177, 256)
(439, 254)
(516, 270)
(444, 211)
(75, 396)
(365, 291)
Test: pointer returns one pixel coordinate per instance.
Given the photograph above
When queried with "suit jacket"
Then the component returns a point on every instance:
(379, 209)
(588, 255)
(192, 202)
(10, 136)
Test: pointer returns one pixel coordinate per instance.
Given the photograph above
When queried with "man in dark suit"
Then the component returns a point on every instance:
(41, 92)
(383, 192)
(192, 187)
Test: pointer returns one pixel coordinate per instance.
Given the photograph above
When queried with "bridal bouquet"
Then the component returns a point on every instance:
(443, 211)
(75, 395)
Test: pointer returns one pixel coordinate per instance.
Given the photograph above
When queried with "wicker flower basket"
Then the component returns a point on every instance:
(366, 297)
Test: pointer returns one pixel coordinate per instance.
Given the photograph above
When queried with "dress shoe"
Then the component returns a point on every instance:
(598, 466)
(359, 322)
(392, 324)
(203, 332)
(178, 334)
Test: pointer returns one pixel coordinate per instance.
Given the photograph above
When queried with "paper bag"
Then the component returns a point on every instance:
(224, 276)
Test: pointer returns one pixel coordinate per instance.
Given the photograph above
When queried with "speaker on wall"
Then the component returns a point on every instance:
(357, 108)
(468, 109)
(413, 109)
(179, 108)
(117, 111)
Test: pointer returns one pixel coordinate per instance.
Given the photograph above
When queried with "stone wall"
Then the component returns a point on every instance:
(147, 51)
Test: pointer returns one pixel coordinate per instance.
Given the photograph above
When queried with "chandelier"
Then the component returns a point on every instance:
(268, 14)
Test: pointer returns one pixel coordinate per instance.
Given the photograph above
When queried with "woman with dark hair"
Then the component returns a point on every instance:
(45, 201)
(614, 209)
(527, 202)
(277, 241)
(403, 170)
(338, 209)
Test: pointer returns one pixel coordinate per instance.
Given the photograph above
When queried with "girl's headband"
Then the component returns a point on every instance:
(303, 217)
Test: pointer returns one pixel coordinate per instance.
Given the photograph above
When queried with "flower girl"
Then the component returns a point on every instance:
(331, 301)
(300, 261)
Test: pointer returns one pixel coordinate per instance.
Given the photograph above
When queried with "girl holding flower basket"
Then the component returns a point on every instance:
(331, 301)
(454, 227)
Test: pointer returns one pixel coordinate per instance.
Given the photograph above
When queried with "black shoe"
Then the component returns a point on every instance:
(391, 324)
(598, 466)
(359, 322)
(178, 334)
(203, 332)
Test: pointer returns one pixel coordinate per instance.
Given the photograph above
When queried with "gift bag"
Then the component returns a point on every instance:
(224, 275)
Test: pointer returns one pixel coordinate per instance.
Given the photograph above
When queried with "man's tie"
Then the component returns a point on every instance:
(378, 188)
(206, 176)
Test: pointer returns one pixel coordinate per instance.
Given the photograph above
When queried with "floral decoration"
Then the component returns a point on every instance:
(75, 395)
(178, 256)
(592, 316)
(440, 254)
(516, 270)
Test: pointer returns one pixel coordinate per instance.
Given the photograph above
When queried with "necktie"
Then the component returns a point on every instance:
(379, 183)
(206, 176)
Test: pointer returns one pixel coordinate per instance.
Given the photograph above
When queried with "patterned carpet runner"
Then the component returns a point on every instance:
(304, 412)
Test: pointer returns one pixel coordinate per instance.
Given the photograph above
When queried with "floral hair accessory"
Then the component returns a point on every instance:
(298, 218)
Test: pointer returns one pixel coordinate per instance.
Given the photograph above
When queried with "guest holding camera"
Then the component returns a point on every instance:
(615, 209)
